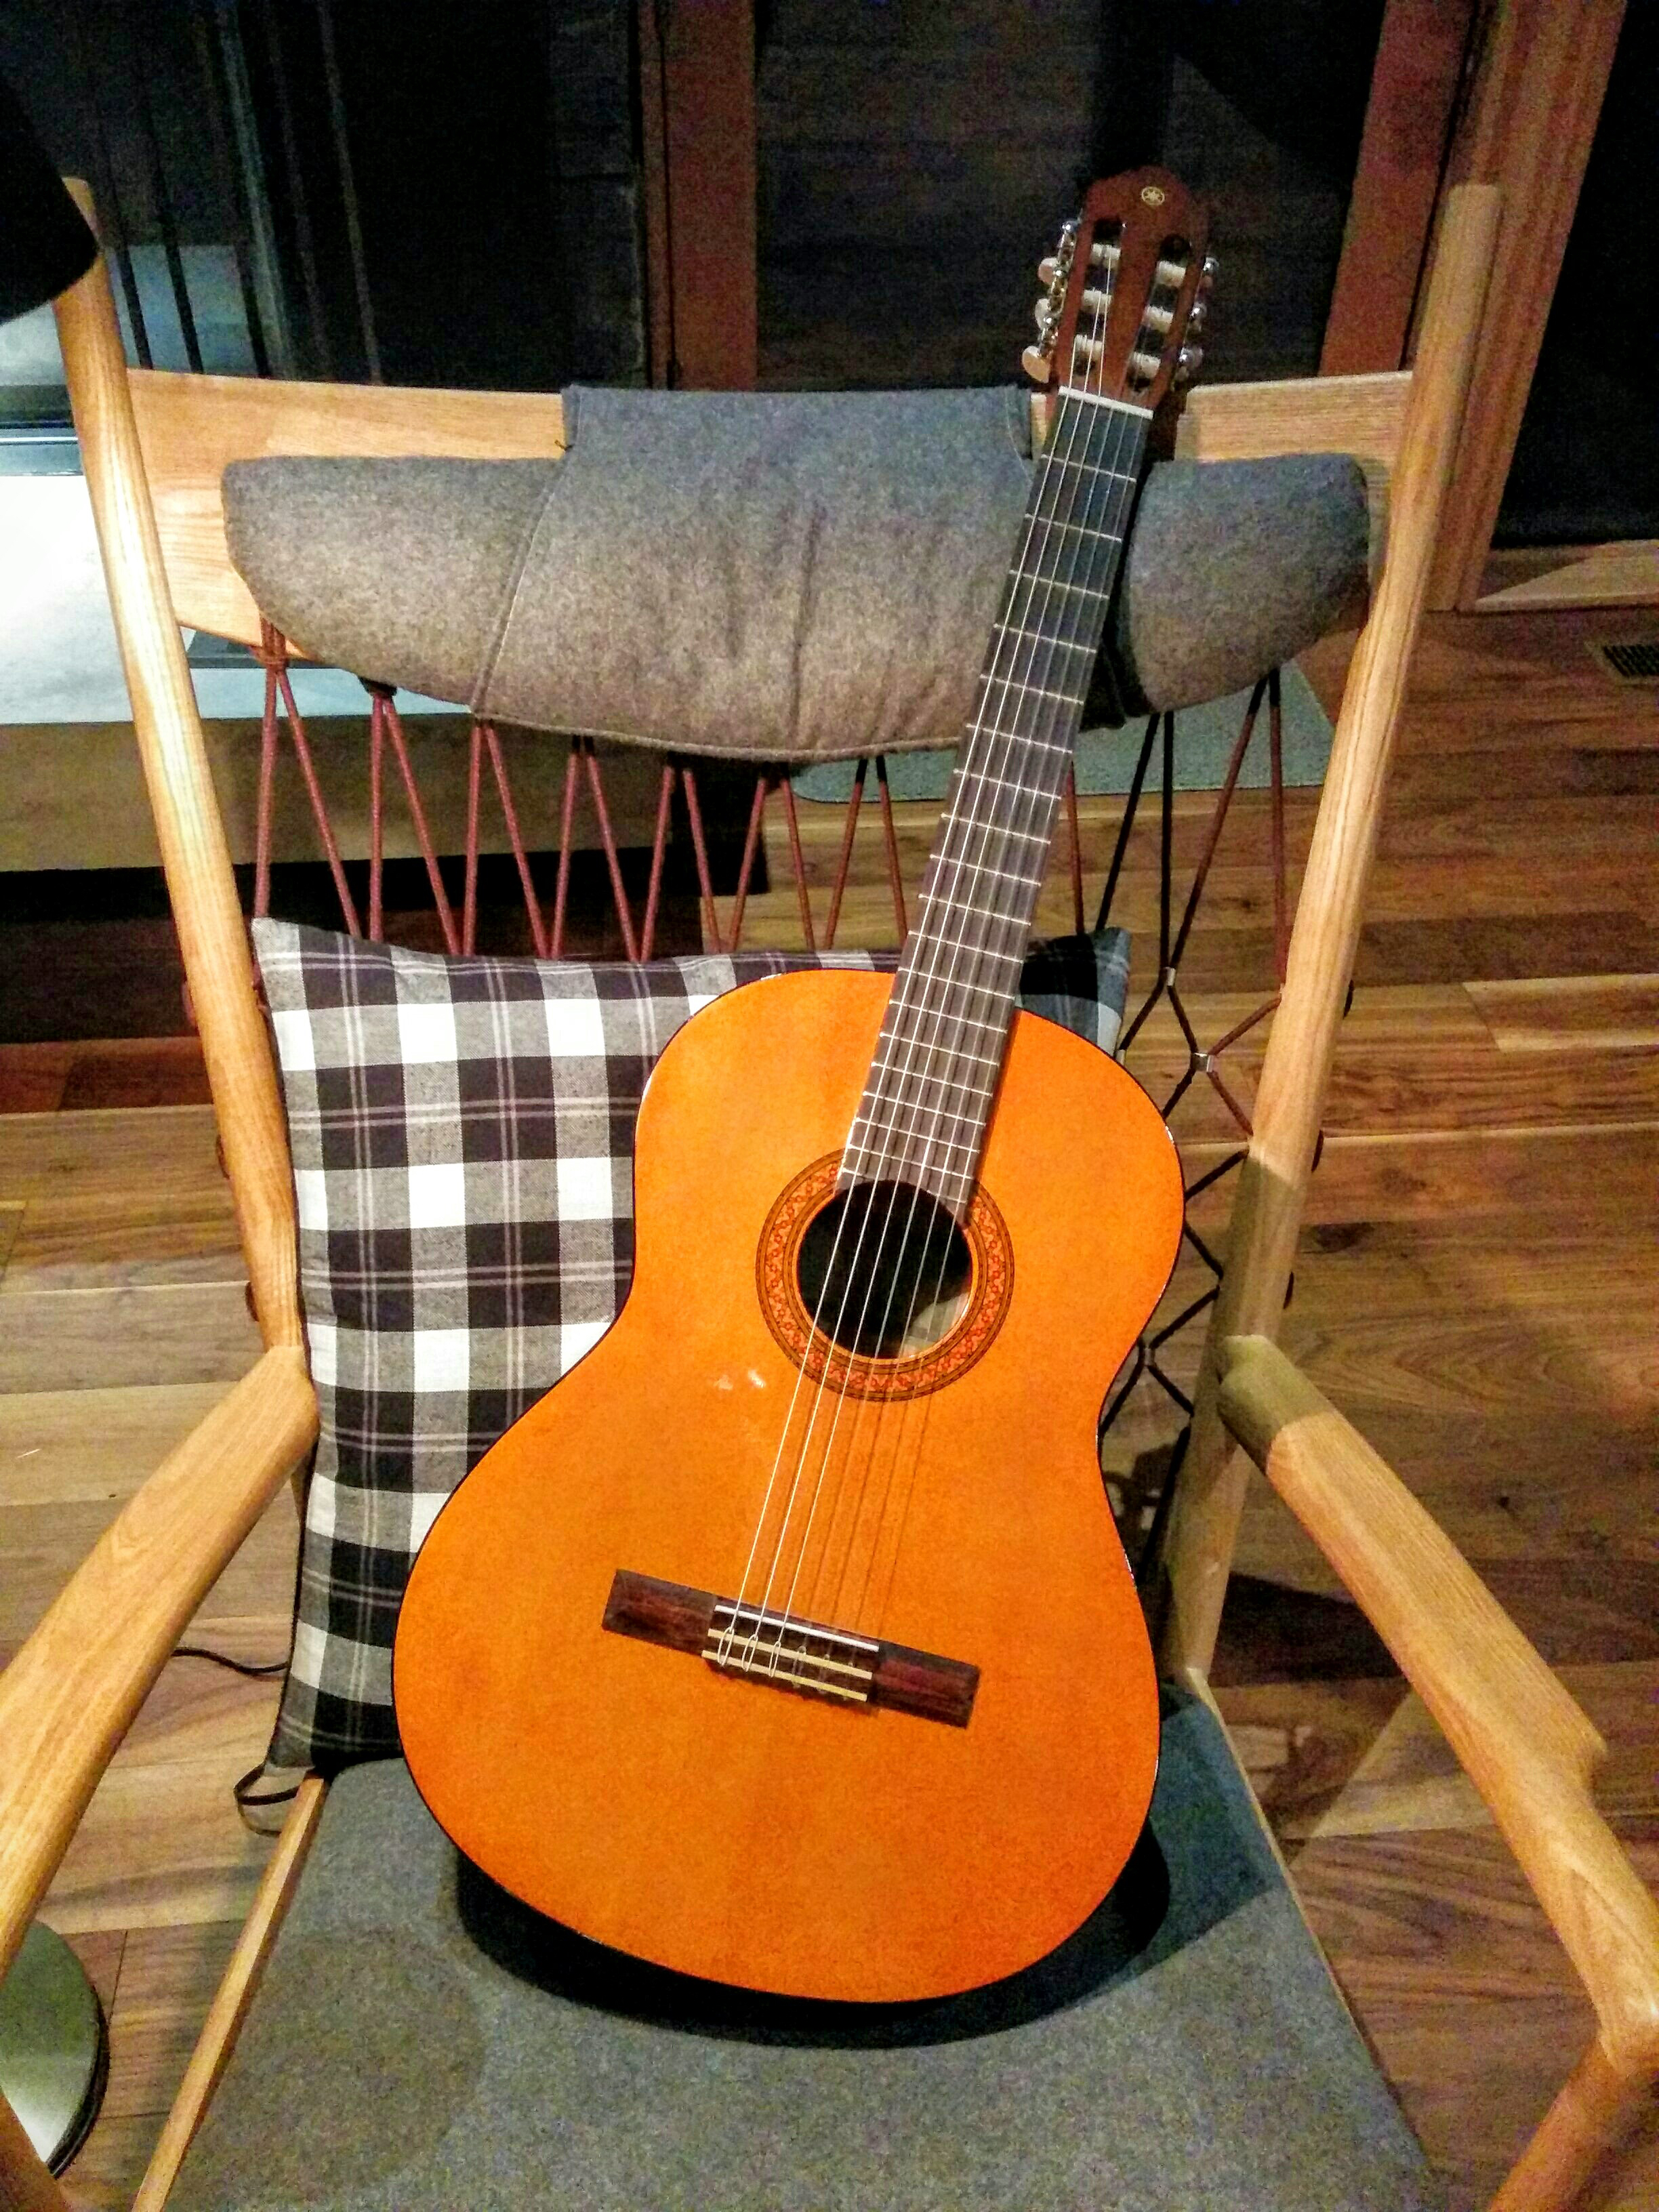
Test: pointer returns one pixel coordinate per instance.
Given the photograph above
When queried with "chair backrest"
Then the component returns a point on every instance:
(154, 445)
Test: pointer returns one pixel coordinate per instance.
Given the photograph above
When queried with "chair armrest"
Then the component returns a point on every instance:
(69, 1695)
(1527, 1747)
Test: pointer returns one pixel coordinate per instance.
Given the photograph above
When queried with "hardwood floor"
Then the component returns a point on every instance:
(1476, 1288)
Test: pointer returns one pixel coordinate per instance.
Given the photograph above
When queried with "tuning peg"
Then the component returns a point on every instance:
(1199, 316)
(1187, 363)
(1044, 315)
(1047, 269)
(1209, 271)
(1036, 364)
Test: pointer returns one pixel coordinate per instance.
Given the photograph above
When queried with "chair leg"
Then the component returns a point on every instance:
(26, 2184)
(1589, 2142)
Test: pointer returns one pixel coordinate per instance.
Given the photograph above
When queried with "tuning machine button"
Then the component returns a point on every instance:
(1198, 315)
(1188, 362)
(1208, 272)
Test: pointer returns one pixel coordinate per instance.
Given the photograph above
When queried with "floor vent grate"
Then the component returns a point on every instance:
(1629, 660)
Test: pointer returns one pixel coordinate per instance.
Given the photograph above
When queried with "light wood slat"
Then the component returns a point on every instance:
(207, 910)
(69, 1447)
(69, 1695)
(139, 1333)
(1569, 1013)
(169, 1976)
(1447, 1087)
(1290, 1101)
(1526, 1745)
(190, 427)
(46, 769)
(1586, 1175)
(110, 1153)
(110, 2164)
(1363, 1757)
(1364, 415)
(1408, 1777)
(235, 1993)
(65, 1244)
(1625, 573)
(42, 1546)
(1469, 2002)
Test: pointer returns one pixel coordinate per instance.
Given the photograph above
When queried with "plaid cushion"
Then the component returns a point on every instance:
(462, 1132)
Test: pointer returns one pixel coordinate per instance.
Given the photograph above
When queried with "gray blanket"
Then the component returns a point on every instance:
(784, 576)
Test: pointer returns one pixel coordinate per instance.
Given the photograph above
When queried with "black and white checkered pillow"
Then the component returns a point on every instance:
(463, 1135)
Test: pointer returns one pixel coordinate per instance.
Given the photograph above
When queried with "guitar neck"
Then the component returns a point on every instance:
(931, 1084)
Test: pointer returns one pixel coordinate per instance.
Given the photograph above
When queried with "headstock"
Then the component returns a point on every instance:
(1127, 292)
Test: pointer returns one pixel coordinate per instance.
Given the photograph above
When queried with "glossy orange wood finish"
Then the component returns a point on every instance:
(730, 1829)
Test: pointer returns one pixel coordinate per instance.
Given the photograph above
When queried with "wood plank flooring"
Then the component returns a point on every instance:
(1476, 1287)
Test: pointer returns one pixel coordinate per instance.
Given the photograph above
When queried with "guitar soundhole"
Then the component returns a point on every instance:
(885, 1270)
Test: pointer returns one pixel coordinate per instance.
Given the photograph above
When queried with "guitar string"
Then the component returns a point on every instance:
(976, 840)
(899, 1003)
(974, 844)
(1030, 802)
(729, 1636)
(890, 1029)
(1033, 812)
(1050, 645)
(996, 823)
(1114, 524)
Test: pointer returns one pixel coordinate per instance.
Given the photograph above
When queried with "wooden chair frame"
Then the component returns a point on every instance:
(153, 448)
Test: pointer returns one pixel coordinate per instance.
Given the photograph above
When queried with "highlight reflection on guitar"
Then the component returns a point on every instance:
(788, 1641)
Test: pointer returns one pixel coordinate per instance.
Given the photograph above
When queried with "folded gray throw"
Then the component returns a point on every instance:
(781, 576)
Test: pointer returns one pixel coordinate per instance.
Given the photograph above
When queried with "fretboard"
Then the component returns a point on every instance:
(933, 1080)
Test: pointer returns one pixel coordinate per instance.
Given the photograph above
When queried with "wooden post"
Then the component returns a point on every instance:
(200, 881)
(1537, 94)
(1291, 1102)
(1593, 2138)
(697, 110)
(1402, 155)
(26, 2182)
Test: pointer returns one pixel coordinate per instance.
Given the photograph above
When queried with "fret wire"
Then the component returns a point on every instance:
(958, 1083)
(993, 913)
(937, 1143)
(1035, 691)
(977, 775)
(968, 1021)
(984, 868)
(1064, 644)
(967, 944)
(1100, 399)
(1090, 468)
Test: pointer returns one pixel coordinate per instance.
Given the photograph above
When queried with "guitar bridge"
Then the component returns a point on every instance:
(745, 1639)
(789, 1652)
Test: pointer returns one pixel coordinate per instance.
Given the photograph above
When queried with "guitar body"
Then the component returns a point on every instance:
(722, 1825)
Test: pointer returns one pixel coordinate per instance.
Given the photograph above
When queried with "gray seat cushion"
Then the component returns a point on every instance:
(790, 576)
(420, 2041)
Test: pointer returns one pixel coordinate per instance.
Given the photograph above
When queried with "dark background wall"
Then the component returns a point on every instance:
(446, 195)
(1586, 466)
(917, 156)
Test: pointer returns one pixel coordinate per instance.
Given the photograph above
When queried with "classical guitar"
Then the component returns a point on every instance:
(789, 1640)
